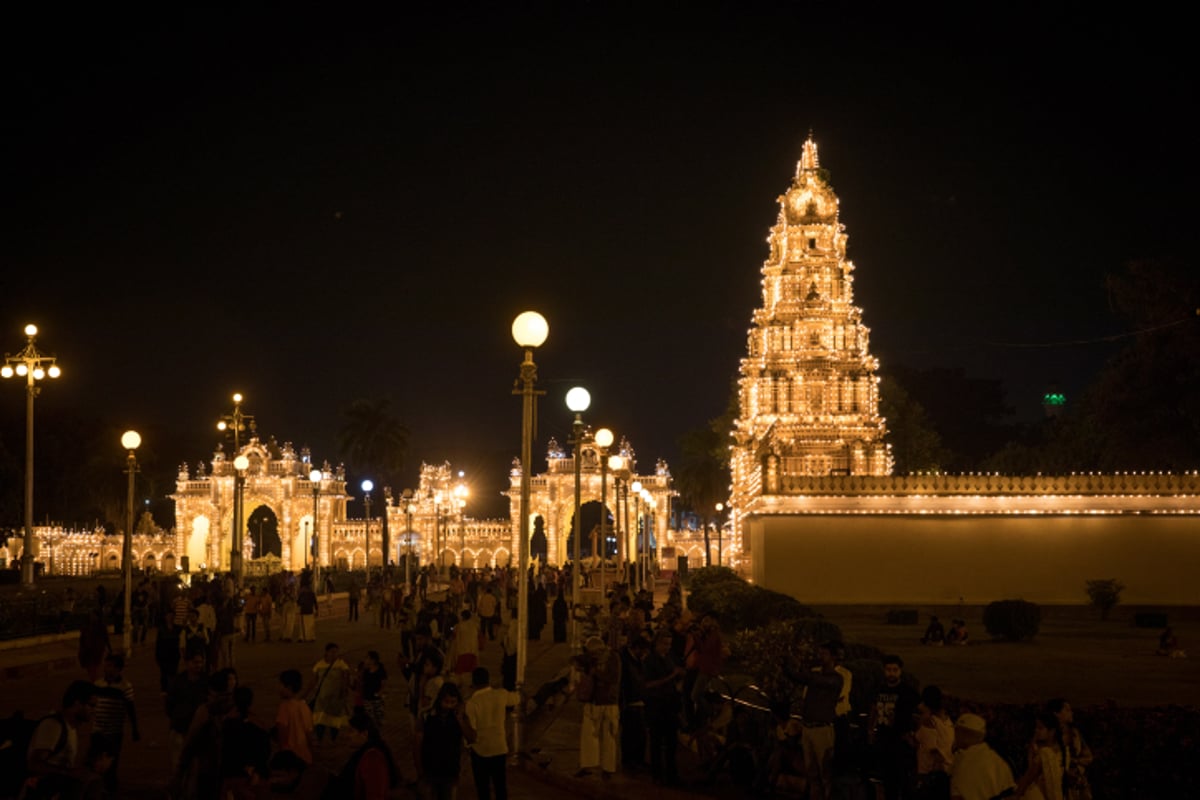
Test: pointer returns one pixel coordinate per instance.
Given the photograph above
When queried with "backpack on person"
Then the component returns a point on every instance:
(16, 733)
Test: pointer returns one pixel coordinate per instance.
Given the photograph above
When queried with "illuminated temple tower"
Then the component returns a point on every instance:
(807, 389)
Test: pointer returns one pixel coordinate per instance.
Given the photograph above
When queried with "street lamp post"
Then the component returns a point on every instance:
(720, 525)
(460, 502)
(367, 486)
(603, 439)
(407, 495)
(314, 477)
(636, 488)
(616, 465)
(578, 400)
(647, 508)
(130, 440)
(33, 366)
(436, 496)
(529, 330)
(241, 464)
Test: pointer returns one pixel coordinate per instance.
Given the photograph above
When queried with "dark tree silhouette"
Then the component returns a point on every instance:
(374, 443)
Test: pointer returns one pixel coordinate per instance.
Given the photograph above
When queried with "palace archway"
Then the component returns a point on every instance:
(263, 532)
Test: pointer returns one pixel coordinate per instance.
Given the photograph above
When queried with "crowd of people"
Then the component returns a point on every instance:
(647, 678)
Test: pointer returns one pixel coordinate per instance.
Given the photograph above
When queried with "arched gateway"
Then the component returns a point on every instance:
(277, 487)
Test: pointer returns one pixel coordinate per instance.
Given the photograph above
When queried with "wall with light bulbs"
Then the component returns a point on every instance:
(904, 558)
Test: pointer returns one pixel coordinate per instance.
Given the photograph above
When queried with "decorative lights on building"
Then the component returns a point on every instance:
(808, 391)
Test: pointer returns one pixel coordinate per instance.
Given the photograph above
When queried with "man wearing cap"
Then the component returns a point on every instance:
(978, 773)
(601, 714)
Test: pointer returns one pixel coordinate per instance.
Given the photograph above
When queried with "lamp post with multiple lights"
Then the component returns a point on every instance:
(314, 478)
(578, 400)
(367, 486)
(130, 440)
(33, 366)
(529, 331)
(237, 422)
(236, 566)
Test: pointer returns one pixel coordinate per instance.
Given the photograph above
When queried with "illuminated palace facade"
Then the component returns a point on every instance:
(815, 506)
(309, 518)
(432, 522)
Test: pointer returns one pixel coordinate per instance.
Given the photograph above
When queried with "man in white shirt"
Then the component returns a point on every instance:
(978, 772)
(53, 750)
(489, 748)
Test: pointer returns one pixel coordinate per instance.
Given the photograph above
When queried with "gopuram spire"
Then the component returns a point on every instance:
(808, 392)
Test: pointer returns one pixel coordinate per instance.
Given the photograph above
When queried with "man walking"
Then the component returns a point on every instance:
(489, 747)
(353, 594)
(817, 738)
(113, 701)
(306, 600)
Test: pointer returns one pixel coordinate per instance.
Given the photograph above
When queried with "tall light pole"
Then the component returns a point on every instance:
(650, 508)
(240, 464)
(33, 366)
(616, 465)
(603, 439)
(529, 330)
(407, 496)
(636, 488)
(720, 507)
(647, 508)
(436, 496)
(367, 486)
(460, 502)
(130, 440)
(314, 478)
(578, 400)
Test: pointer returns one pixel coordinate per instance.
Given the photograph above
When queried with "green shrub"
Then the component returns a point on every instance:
(1150, 619)
(704, 577)
(1012, 619)
(738, 604)
(761, 652)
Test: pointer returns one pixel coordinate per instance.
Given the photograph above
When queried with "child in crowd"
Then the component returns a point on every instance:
(294, 722)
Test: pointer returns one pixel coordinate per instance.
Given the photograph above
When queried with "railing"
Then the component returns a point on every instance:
(1130, 483)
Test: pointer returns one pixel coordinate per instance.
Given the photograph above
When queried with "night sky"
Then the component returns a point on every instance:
(312, 208)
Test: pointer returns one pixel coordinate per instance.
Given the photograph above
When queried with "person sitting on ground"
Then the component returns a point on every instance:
(935, 634)
(958, 632)
(1168, 645)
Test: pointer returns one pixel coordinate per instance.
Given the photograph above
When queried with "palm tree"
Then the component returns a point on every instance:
(374, 442)
(703, 475)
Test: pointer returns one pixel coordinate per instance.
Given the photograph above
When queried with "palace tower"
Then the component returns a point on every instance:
(807, 389)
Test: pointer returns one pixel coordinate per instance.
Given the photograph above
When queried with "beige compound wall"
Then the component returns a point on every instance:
(928, 559)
